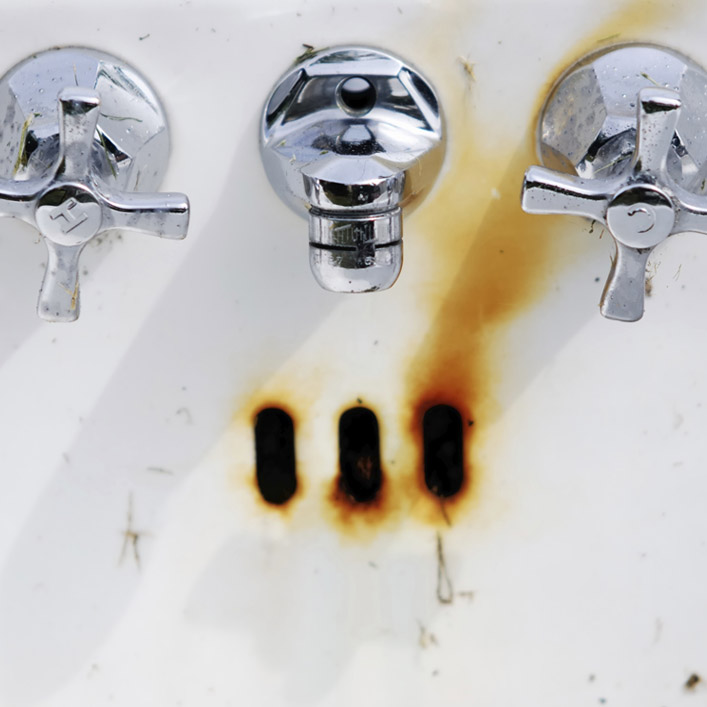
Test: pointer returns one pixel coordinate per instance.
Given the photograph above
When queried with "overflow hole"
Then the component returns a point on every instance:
(359, 455)
(443, 441)
(275, 456)
(356, 95)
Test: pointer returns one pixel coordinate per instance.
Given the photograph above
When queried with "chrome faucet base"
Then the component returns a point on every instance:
(625, 134)
(349, 137)
(85, 141)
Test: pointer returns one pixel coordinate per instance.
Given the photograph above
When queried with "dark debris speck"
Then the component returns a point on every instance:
(692, 682)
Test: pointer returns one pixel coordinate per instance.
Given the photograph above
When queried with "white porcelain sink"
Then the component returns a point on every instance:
(138, 565)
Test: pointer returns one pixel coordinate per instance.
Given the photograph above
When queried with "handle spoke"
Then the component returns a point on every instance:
(59, 296)
(165, 215)
(624, 293)
(75, 198)
(658, 113)
(548, 192)
(692, 212)
(17, 198)
(78, 116)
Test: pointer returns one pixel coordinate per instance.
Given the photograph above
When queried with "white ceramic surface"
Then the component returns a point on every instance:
(578, 562)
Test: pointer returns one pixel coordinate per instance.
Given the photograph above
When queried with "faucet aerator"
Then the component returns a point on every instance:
(355, 253)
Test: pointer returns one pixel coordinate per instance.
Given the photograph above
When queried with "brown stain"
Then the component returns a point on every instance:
(634, 21)
(496, 257)
(490, 266)
(398, 499)
(502, 275)
(355, 520)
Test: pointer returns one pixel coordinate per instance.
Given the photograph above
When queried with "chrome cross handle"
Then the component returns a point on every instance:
(641, 208)
(640, 202)
(74, 167)
(69, 208)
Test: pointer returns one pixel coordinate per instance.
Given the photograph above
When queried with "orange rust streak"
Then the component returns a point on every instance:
(360, 521)
(354, 520)
(503, 272)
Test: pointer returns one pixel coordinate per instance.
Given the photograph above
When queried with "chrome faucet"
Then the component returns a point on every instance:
(84, 142)
(625, 131)
(349, 137)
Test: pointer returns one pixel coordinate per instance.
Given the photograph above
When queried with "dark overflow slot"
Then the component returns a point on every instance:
(443, 442)
(359, 455)
(275, 455)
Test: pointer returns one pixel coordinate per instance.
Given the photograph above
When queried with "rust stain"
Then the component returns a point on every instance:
(490, 265)
(502, 274)
(501, 256)
(355, 520)
(634, 21)
(359, 520)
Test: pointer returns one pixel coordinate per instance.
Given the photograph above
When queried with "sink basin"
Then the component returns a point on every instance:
(139, 563)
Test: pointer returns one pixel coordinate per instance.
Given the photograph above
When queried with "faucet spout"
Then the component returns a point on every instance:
(355, 253)
(350, 137)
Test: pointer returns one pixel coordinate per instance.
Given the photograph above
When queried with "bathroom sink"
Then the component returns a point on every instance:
(140, 563)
